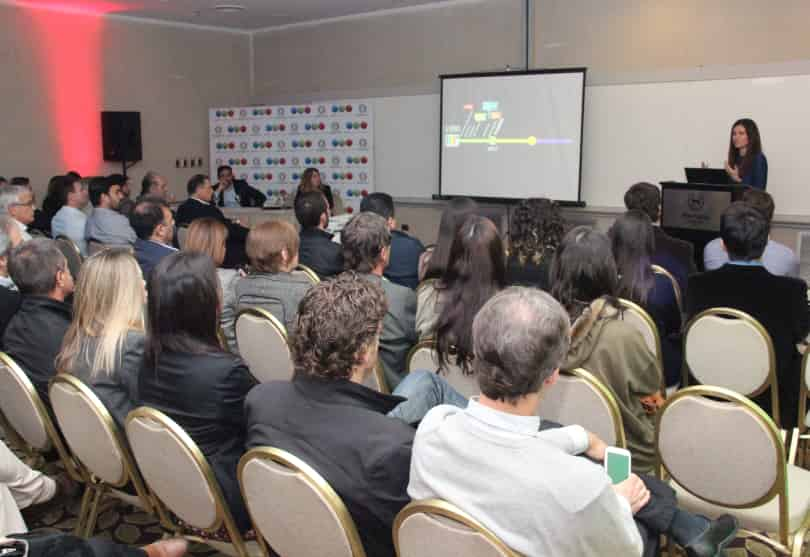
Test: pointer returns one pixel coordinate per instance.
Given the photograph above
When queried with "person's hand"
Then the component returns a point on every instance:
(634, 491)
(732, 172)
(596, 448)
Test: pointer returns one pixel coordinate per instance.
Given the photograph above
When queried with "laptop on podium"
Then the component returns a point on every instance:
(706, 176)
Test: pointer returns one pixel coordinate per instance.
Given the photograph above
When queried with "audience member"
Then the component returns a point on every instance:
(366, 244)
(569, 506)
(209, 236)
(104, 344)
(3, 181)
(311, 181)
(584, 280)
(41, 223)
(70, 220)
(405, 249)
(127, 204)
(433, 262)
(47, 544)
(777, 258)
(674, 255)
(54, 198)
(199, 205)
(272, 248)
(9, 294)
(633, 244)
(535, 230)
(155, 185)
(778, 303)
(231, 192)
(105, 224)
(188, 376)
(18, 203)
(34, 334)
(355, 437)
(153, 223)
(475, 271)
(317, 250)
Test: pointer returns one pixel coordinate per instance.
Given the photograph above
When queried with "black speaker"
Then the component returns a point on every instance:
(121, 136)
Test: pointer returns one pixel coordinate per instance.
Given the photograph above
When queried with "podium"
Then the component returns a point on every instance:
(692, 211)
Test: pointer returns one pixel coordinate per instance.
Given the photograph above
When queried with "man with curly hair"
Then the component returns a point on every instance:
(358, 439)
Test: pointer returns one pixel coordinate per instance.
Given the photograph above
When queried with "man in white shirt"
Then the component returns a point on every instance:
(70, 220)
(18, 203)
(526, 483)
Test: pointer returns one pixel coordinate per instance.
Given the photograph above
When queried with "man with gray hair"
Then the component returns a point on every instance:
(17, 202)
(524, 480)
(9, 294)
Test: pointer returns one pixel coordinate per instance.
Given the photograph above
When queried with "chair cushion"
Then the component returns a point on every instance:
(764, 518)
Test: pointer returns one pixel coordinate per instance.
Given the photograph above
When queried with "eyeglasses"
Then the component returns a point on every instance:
(29, 204)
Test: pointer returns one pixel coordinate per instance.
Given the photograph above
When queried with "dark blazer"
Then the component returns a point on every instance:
(662, 305)
(779, 303)
(674, 255)
(34, 337)
(757, 175)
(205, 395)
(403, 267)
(192, 209)
(149, 254)
(341, 430)
(9, 304)
(327, 193)
(247, 195)
(318, 252)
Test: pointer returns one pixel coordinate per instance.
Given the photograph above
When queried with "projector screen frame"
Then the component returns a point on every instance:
(512, 200)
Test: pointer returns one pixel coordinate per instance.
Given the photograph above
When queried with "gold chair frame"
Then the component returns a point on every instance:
(779, 487)
(770, 381)
(224, 516)
(69, 242)
(97, 488)
(628, 305)
(444, 509)
(804, 393)
(314, 480)
(659, 270)
(309, 273)
(428, 342)
(607, 397)
(72, 467)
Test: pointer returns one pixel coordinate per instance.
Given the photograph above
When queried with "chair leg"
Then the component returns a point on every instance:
(83, 509)
(92, 516)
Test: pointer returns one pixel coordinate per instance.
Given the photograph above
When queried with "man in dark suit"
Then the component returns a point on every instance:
(778, 303)
(317, 250)
(235, 193)
(199, 204)
(674, 255)
(153, 222)
(34, 335)
(403, 268)
(329, 419)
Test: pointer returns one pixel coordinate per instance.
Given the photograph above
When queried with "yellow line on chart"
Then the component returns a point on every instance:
(531, 140)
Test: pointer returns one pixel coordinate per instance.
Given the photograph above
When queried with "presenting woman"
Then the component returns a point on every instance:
(746, 162)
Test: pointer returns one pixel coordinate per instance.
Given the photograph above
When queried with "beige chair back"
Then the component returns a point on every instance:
(424, 356)
(182, 233)
(305, 271)
(312, 521)
(705, 461)
(72, 254)
(262, 341)
(437, 528)
(728, 348)
(578, 397)
(658, 270)
(638, 317)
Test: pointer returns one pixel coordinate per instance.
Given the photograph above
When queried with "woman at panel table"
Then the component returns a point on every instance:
(746, 162)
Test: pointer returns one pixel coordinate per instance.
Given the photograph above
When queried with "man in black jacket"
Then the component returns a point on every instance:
(327, 418)
(235, 193)
(778, 303)
(34, 335)
(317, 250)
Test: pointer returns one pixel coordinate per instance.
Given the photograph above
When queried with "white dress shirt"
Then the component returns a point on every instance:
(70, 222)
(526, 486)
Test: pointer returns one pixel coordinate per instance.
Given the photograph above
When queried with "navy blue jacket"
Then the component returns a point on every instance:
(148, 254)
(403, 267)
(757, 175)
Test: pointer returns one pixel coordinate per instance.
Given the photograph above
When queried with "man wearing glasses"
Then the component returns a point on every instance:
(18, 203)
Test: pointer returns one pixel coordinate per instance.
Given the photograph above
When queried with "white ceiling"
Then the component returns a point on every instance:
(258, 14)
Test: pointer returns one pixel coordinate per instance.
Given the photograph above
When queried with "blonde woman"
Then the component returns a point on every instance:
(209, 236)
(105, 341)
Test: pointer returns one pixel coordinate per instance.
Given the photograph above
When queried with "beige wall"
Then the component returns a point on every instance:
(171, 74)
(393, 54)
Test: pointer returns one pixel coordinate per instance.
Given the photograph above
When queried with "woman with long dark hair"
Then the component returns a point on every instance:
(433, 262)
(746, 163)
(585, 281)
(476, 270)
(188, 375)
(633, 244)
(535, 230)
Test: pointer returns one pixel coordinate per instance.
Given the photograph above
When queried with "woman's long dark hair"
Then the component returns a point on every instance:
(633, 244)
(453, 216)
(754, 148)
(475, 272)
(535, 230)
(583, 270)
(184, 302)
